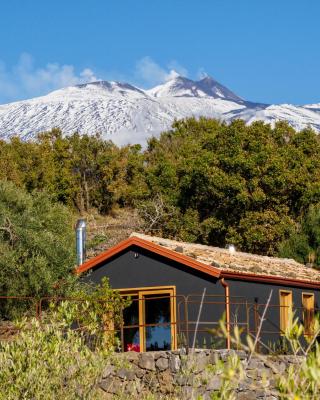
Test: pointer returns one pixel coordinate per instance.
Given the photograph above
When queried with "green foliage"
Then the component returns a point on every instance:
(299, 381)
(64, 355)
(203, 181)
(231, 372)
(233, 183)
(36, 243)
(302, 383)
(81, 171)
(96, 310)
(49, 361)
(304, 243)
(96, 240)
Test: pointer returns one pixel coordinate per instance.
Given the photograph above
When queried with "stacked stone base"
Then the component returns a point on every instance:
(173, 374)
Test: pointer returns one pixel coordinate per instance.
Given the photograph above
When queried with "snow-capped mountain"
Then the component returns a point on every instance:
(126, 114)
(183, 87)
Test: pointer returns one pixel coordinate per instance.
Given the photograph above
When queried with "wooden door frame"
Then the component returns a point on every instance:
(147, 290)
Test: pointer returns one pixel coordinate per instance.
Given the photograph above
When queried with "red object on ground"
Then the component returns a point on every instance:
(133, 347)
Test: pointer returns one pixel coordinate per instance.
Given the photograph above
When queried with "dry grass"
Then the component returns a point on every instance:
(105, 231)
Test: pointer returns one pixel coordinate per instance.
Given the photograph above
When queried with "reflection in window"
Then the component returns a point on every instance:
(131, 326)
(149, 321)
(157, 312)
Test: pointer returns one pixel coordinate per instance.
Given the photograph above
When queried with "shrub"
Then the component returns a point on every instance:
(36, 245)
(49, 361)
(96, 311)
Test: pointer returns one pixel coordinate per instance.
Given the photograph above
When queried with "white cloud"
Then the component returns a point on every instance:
(202, 73)
(88, 75)
(175, 66)
(148, 72)
(26, 80)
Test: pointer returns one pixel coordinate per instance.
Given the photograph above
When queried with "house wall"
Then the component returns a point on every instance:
(126, 270)
(257, 295)
(136, 267)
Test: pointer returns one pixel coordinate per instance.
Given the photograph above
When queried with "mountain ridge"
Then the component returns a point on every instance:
(125, 113)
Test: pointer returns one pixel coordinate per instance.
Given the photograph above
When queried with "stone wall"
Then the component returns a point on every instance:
(173, 374)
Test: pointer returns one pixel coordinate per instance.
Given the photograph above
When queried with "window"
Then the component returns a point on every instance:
(149, 323)
(308, 312)
(285, 309)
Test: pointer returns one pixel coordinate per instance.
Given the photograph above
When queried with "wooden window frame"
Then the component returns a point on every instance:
(140, 292)
(285, 311)
(305, 307)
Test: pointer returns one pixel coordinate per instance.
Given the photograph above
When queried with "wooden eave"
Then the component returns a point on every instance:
(271, 279)
(152, 247)
(194, 264)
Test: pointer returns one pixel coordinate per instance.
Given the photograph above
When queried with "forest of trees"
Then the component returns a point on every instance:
(203, 181)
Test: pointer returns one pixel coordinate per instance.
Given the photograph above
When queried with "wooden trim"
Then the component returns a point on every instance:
(276, 280)
(227, 295)
(192, 263)
(136, 289)
(308, 294)
(308, 308)
(285, 310)
(174, 327)
(154, 248)
(141, 292)
(172, 293)
(142, 317)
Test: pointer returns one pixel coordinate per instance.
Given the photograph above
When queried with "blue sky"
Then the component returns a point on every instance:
(264, 51)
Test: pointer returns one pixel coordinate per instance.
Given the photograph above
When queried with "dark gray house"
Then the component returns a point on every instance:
(180, 291)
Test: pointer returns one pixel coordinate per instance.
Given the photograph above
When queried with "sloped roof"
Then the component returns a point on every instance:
(150, 246)
(231, 263)
(216, 262)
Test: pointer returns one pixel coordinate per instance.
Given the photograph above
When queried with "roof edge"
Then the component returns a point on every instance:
(273, 279)
(192, 263)
(153, 247)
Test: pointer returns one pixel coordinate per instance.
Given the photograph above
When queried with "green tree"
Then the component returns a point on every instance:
(204, 180)
(90, 172)
(50, 361)
(36, 243)
(304, 242)
(232, 182)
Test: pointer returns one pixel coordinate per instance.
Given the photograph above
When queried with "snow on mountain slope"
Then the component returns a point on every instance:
(183, 87)
(126, 114)
(298, 117)
(313, 107)
(103, 107)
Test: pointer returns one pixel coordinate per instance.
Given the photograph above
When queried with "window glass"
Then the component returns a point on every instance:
(131, 326)
(157, 320)
(149, 321)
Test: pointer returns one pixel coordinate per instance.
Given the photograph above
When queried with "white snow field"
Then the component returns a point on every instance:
(126, 114)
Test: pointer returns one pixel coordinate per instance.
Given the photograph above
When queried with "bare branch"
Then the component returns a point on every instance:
(9, 229)
(257, 339)
(155, 213)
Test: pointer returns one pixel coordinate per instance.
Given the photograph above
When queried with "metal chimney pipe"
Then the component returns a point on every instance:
(81, 240)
